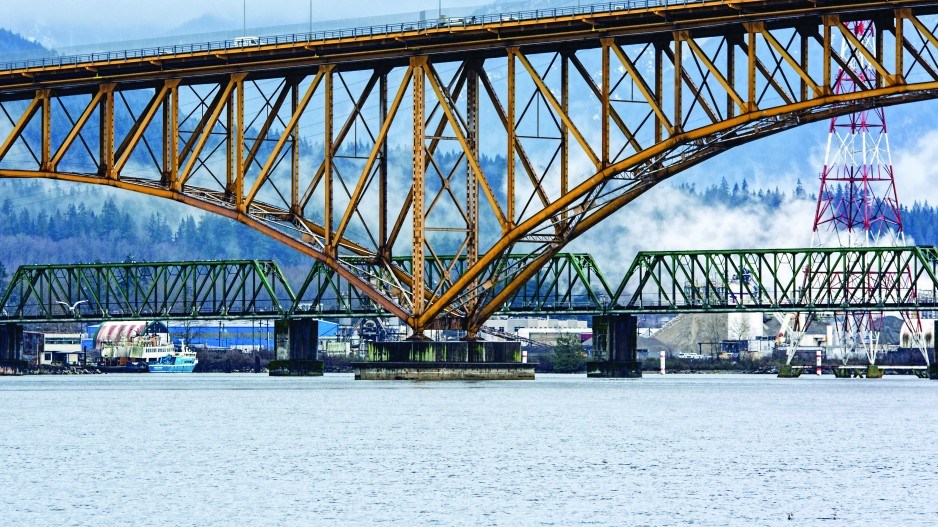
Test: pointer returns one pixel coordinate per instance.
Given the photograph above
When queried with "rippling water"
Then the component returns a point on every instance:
(563, 450)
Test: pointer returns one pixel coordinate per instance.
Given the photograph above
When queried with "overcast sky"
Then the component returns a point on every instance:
(73, 22)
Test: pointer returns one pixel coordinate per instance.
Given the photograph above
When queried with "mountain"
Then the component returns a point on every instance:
(14, 46)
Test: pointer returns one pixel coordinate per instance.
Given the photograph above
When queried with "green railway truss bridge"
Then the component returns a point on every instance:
(787, 280)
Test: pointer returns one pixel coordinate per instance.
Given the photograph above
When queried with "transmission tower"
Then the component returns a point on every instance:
(858, 205)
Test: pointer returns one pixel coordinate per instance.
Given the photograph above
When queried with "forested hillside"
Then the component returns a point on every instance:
(58, 227)
(14, 47)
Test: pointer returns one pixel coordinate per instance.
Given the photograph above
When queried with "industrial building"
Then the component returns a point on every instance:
(241, 334)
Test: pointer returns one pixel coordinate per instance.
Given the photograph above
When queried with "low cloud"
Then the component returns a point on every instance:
(667, 218)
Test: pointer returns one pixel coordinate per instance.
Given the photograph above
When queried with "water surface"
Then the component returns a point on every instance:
(563, 450)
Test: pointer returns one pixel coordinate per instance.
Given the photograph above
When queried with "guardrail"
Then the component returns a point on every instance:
(246, 42)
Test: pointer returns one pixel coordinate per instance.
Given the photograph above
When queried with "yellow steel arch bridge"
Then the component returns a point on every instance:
(519, 132)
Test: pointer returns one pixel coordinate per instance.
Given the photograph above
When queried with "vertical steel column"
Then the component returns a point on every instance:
(606, 43)
(472, 182)
(678, 85)
(45, 96)
(171, 137)
(327, 162)
(804, 64)
(564, 131)
(383, 166)
(230, 174)
(510, 167)
(827, 55)
(295, 152)
(659, 90)
(107, 132)
(730, 74)
(418, 289)
(900, 48)
(751, 68)
(878, 36)
(239, 144)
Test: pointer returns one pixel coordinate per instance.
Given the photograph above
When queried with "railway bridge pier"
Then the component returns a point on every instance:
(297, 347)
(615, 338)
(11, 349)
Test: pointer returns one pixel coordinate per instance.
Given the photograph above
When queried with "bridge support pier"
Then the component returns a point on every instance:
(11, 349)
(422, 360)
(615, 337)
(297, 346)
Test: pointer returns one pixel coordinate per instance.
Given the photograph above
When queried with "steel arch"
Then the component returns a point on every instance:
(220, 129)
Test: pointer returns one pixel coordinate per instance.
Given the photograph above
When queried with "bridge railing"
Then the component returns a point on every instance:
(246, 42)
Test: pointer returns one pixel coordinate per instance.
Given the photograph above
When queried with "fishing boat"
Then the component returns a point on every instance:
(180, 361)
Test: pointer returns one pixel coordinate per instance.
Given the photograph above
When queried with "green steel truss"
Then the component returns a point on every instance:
(802, 280)
(569, 283)
(169, 290)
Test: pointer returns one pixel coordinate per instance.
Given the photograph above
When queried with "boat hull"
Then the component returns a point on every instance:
(171, 368)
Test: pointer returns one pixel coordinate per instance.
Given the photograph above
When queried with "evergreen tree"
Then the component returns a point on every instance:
(568, 354)
(799, 190)
(156, 230)
(58, 227)
(724, 188)
(24, 223)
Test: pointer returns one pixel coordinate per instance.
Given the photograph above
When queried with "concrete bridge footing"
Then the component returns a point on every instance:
(11, 349)
(419, 360)
(297, 346)
(615, 337)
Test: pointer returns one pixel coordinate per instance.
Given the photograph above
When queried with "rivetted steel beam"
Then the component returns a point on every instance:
(669, 94)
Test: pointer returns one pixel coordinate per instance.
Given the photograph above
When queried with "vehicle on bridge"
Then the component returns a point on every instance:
(241, 42)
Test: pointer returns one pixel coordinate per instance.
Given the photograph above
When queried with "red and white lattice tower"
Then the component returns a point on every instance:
(857, 205)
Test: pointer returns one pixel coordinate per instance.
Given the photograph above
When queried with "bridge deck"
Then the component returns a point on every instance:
(394, 44)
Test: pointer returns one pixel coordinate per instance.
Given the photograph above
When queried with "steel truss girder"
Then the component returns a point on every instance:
(568, 284)
(792, 280)
(147, 291)
(732, 80)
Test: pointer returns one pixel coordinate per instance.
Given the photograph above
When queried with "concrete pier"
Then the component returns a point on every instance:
(11, 349)
(422, 360)
(615, 337)
(297, 346)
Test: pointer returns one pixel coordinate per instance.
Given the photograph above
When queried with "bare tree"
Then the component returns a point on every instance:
(740, 329)
(712, 330)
